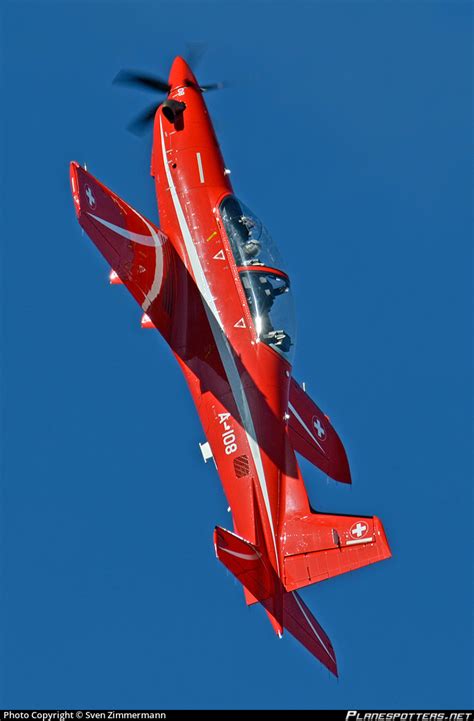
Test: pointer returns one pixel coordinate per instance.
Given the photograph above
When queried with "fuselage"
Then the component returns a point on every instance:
(240, 385)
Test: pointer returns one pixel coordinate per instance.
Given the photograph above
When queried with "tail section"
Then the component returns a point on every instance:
(286, 610)
(314, 547)
(319, 546)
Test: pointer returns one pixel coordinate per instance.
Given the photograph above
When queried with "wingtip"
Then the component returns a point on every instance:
(345, 469)
(330, 661)
(73, 176)
(379, 531)
(275, 622)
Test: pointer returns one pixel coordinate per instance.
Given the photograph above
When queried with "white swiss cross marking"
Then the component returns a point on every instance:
(319, 428)
(90, 197)
(359, 529)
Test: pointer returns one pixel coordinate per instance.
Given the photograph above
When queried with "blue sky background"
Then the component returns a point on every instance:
(347, 129)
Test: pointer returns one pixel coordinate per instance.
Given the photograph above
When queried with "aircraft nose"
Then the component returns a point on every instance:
(180, 73)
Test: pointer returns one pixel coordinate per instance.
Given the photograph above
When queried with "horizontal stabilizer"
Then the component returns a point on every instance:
(285, 610)
(313, 436)
(319, 546)
(246, 563)
(300, 622)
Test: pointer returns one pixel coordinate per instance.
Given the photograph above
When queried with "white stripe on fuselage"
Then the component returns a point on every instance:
(222, 343)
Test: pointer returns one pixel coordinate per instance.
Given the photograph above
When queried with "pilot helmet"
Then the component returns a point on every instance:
(251, 248)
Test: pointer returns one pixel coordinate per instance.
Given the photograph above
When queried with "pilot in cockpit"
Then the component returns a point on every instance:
(251, 247)
(261, 290)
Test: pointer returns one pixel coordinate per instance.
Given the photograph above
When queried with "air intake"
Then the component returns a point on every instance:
(171, 109)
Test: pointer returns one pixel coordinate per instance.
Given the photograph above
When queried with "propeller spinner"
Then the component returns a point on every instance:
(156, 84)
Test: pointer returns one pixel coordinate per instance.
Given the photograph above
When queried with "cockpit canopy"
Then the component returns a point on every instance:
(266, 286)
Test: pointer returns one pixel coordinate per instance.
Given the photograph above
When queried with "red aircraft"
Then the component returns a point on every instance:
(211, 282)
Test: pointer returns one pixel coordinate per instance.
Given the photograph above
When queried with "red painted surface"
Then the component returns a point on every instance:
(313, 436)
(186, 278)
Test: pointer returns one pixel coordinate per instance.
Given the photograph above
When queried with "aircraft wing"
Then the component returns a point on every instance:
(139, 253)
(313, 436)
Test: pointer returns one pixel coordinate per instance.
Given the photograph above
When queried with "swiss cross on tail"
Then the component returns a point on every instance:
(359, 529)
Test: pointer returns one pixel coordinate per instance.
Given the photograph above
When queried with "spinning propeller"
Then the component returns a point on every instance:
(156, 84)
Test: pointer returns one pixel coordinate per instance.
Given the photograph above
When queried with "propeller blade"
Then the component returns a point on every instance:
(212, 86)
(130, 77)
(142, 121)
(194, 54)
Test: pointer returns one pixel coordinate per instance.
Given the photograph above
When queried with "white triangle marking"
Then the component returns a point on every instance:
(219, 256)
(240, 324)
